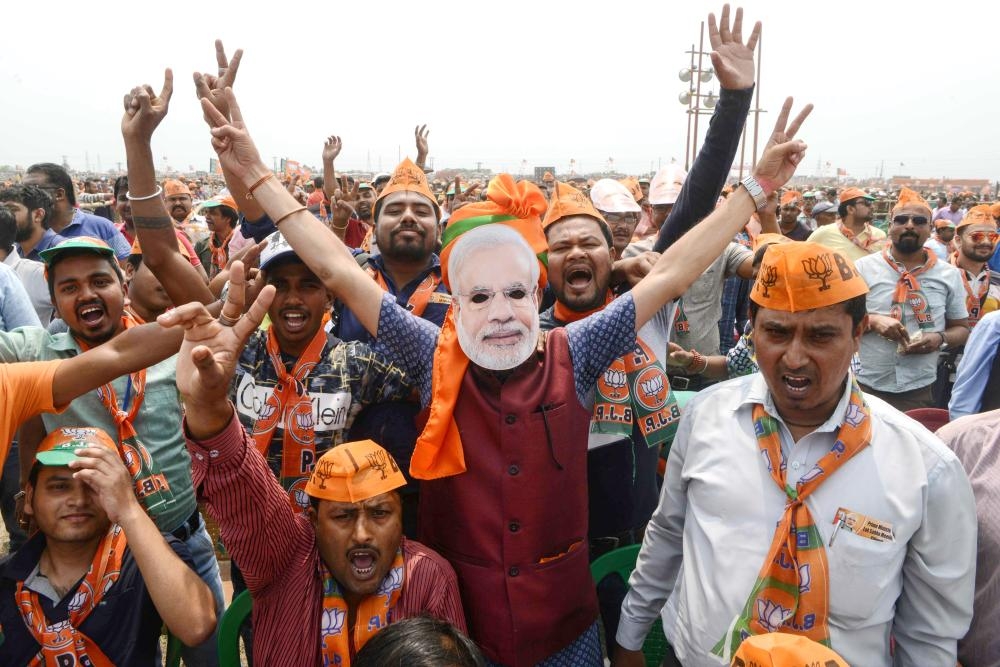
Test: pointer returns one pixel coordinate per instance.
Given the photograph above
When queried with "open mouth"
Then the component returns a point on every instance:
(796, 384)
(91, 314)
(579, 277)
(363, 562)
(295, 320)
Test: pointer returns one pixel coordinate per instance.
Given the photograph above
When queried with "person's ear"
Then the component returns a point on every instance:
(37, 216)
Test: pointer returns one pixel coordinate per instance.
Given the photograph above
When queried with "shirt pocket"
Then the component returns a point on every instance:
(865, 578)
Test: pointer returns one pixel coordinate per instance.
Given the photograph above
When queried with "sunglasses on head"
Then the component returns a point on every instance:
(918, 220)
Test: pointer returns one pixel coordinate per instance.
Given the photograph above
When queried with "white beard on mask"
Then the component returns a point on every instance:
(498, 357)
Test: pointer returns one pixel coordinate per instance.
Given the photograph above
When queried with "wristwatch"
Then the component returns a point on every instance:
(944, 342)
(757, 192)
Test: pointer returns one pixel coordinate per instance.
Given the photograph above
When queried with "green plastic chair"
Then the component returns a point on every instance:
(229, 629)
(621, 562)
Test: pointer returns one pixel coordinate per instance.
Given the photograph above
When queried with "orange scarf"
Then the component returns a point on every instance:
(220, 253)
(792, 592)
(438, 451)
(289, 405)
(974, 300)
(634, 386)
(373, 614)
(424, 294)
(908, 291)
(151, 486)
(850, 236)
(63, 643)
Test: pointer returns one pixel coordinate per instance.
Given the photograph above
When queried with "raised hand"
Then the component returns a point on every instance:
(232, 142)
(212, 87)
(331, 148)
(344, 204)
(144, 109)
(731, 58)
(420, 133)
(211, 346)
(783, 153)
(101, 469)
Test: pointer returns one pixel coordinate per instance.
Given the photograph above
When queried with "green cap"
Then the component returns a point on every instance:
(60, 446)
(77, 243)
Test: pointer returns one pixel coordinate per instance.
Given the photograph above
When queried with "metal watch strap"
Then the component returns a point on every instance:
(757, 192)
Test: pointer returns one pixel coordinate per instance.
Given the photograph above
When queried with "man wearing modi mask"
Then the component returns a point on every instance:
(503, 453)
(832, 515)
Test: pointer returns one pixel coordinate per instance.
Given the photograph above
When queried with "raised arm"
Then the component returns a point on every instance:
(314, 243)
(733, 63)
(144, 111)
(420, 134)
(331, 149)
(686, 259)
(182, 599)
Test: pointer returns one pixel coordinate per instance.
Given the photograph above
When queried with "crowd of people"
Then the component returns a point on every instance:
(418, 414)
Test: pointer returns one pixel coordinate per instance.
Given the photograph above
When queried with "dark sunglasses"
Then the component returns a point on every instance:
(918, 220)
(979, 237)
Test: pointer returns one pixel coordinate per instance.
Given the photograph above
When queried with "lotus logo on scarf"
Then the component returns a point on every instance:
(652, 395)
(811, 475)
(332, 622)
(393, 581)
(81, 599)
(771, 615)
(804, 578)
(614, 380)
(855, 415)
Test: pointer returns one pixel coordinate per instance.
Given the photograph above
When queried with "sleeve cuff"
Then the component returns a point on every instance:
(631, 634)
(227, 446)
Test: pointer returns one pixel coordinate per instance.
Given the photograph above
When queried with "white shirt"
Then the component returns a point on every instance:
(884, 369)
(32, 276)
(707, 540)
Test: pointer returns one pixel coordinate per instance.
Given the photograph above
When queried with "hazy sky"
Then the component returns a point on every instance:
(502, 82)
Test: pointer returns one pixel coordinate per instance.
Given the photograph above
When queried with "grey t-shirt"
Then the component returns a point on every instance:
(702, 303)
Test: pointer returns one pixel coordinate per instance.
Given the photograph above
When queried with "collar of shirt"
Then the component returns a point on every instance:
(758, 392)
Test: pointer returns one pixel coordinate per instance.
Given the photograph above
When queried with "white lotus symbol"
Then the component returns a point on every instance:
(771, 615)
(333, 622)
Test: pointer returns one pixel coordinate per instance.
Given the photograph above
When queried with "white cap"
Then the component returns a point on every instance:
(610, 196)
(666, 185)
(277, 247)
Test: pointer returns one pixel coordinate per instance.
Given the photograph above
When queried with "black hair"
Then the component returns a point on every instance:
(8, 230)
(856, 307)
(121, 185)
(50, 274)
(57, 177)
(36, 467)
(420, 641)
(31, 197)
(318, 182)
(134, 260)
(231, 216)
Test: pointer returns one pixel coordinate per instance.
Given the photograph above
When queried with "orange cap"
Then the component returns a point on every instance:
(769, 238)
(847, 194)
(995, 210)
(548, 177)
(407, 177)
(59, 446)
(908, 197)
(516, 204)
(137, 250)
(221, 200)
(800, 275)
(354, 471)
(780, 649)
(790, 196)
(978, 215)
(566, 201)
(172, 187)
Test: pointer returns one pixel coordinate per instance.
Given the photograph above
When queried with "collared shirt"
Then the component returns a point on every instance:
(974, 369)
(349, 328)
(976, 442)
(49, 239)
(833, 238)
(85, 224)
(947, 214)
(16, 309)
(718, 511)
(125, 625)
(347, 377)
(940, 249)
(157, 422)
(279, 557)
(32, 275)
(800, 232)
(882, 367)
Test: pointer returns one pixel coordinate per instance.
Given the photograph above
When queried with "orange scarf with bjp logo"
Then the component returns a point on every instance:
(62, 643)
(634, 388)
(289, 405)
